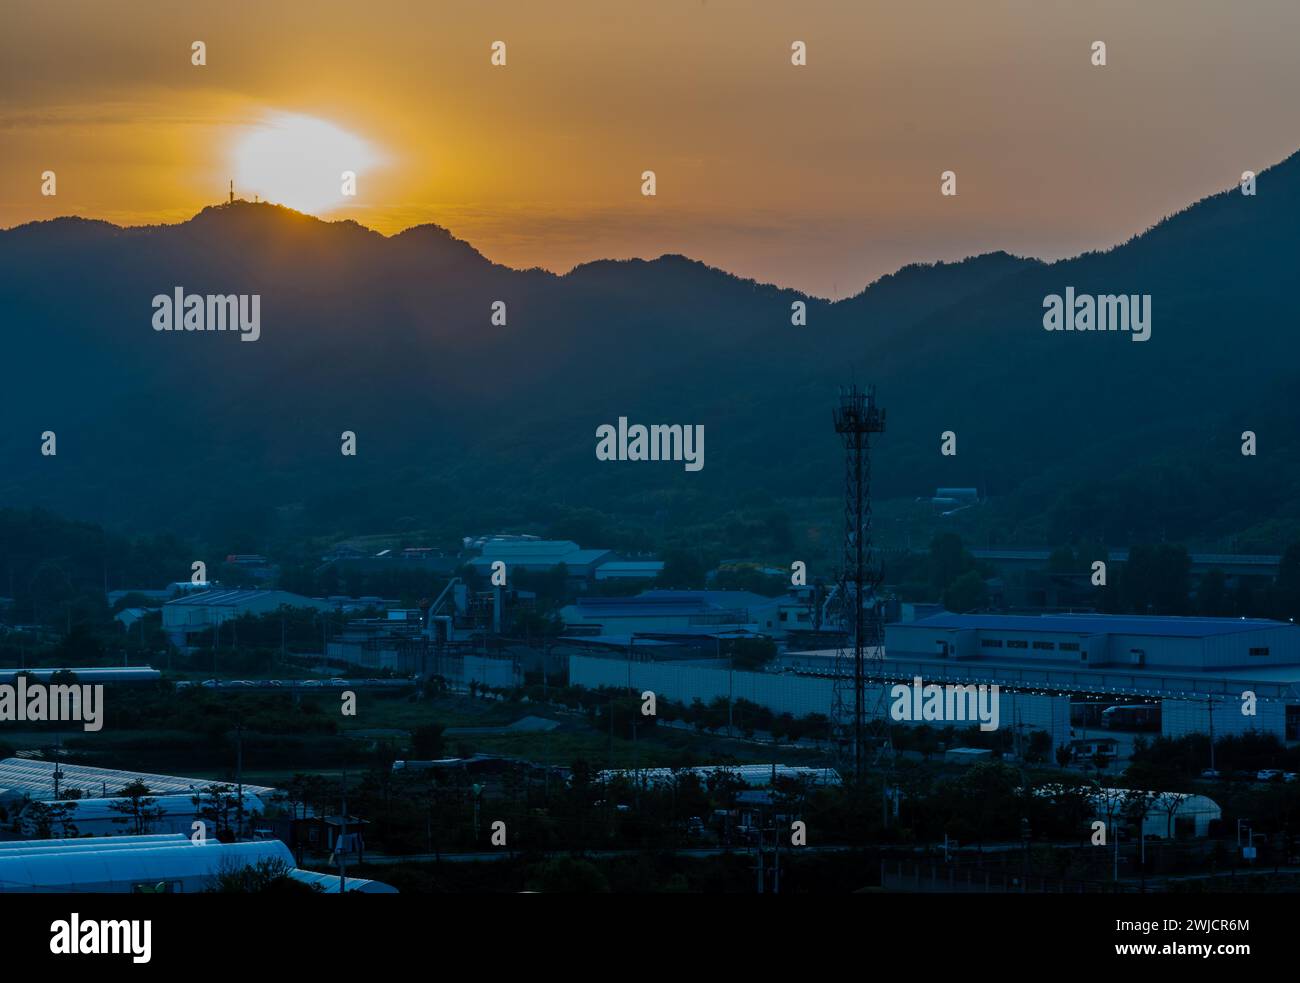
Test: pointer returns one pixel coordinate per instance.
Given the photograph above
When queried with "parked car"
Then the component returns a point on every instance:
(210, 683)
(1289, 776)
(312, 682)
(1268, 775)
(1211, 773)
(339, 682)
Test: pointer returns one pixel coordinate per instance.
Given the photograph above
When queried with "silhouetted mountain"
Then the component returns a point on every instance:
(1073, 434)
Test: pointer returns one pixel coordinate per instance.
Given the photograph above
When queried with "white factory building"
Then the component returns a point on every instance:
(1227, 675)
(539, 556)
(197, 612)
(1202, 672)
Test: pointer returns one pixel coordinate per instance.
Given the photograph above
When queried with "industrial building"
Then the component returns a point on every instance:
(539, 556)
(152, 864)
(630, 570)
(198, 612)
(1197, 670)
(674, 612)
(1220, 675)
(799, 685)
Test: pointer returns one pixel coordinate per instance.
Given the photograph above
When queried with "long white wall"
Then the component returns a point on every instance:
(789, 693)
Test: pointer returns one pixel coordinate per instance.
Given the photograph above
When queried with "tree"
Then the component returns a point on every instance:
(1064, 755)
(1212, 595)
(426, 742)
(1138, 803)
(1286, 590)
(138, 808)
(948, 561)
(568, 875)
(967, 593)
(1157, 579)
(682, 571)
(1169, 803)
(215, 804)
(749, 653)
(43, 820)
(270, 875)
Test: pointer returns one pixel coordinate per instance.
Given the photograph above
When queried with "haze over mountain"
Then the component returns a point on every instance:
(1072, 434)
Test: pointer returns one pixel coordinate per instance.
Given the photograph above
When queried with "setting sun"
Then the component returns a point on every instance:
(298, 161)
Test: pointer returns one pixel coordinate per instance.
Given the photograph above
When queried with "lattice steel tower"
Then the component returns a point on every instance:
(860, 658)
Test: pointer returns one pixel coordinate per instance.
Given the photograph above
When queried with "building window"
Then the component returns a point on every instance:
(1069, 646)
(1049, 646)
(991, 643)
(785, 616)
(1259, 651)
(1017, 643)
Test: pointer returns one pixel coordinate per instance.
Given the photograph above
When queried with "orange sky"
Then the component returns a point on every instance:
(822, 177)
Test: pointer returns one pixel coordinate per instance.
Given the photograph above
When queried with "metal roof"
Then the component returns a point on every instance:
(35, 778)
(70, 867)
(533, 558)
(1099, 624)
(95, 843)
(330, 883)
(668, 603)
(98, 674)
(88, 810)
(226, 598)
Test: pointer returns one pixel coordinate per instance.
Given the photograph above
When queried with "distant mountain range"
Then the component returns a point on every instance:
(1071, 434)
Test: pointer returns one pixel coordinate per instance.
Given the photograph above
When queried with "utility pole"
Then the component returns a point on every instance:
(1114, 825)
(546, 734)
(776, 850)
(239, 774)
(340, 848)
(731, 674)
(1210, 704)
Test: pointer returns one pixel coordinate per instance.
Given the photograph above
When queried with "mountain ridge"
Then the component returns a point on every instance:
(392, 337)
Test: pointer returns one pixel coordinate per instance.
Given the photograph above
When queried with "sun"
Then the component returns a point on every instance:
(298, 161)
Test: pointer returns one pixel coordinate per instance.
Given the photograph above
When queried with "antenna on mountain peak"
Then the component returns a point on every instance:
(232, 191)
